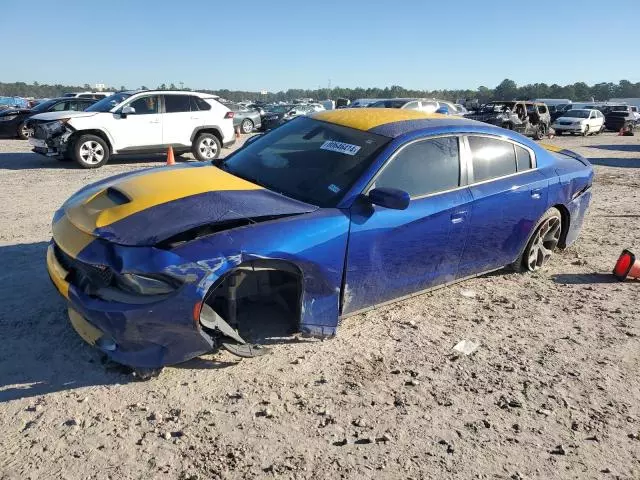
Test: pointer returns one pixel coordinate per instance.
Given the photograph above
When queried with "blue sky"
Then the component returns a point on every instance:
(280, 44)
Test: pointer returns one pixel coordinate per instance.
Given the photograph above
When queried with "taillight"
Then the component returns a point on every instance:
(228, 115)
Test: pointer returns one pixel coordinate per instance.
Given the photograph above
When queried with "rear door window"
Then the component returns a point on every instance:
(176, 103)
(424, 167)
(523, 159)
(491, 158)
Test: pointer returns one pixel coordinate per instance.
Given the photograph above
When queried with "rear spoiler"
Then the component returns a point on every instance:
(564, 151)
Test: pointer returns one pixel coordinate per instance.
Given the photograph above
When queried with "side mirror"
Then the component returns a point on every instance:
(389, 198)
(127, 111)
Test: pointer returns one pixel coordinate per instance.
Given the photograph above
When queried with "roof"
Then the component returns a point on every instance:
(390, 122)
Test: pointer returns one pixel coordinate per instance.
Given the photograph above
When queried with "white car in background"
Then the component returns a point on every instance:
(582, 121)
(147, 121)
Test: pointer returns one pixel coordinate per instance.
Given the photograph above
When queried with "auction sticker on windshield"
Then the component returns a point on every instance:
(340, 147)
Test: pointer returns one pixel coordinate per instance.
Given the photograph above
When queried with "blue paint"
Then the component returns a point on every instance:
(387, 253)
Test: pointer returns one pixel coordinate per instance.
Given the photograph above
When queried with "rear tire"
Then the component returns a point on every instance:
(90, 151)
(206, 147)
(542, 243)
(246, 126)
(558, 133)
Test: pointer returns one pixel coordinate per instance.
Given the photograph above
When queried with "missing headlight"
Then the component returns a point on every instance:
(146, 284)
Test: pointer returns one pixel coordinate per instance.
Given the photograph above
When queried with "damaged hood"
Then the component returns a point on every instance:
(51, 116)
(146, 207)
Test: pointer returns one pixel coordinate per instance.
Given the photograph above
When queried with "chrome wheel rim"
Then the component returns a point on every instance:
(246, 126)
(91, 152)
(26, 131)
(544, 242)
(208, 148)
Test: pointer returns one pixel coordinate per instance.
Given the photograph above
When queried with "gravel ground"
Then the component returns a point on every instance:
(552, 392)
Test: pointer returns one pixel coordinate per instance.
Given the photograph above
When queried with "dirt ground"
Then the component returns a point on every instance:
(552, 392)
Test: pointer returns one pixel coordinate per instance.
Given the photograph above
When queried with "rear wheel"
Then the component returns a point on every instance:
(206, 147)
(246, 126)
(558, 132)
(541, 244)
(90, 151)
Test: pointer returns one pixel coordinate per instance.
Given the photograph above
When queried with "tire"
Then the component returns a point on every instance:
(558, 133)
(90, 151)
(586, 131)
(540, 132)
(23, 132)
(246, 126)
(543, 241)
(206, 147)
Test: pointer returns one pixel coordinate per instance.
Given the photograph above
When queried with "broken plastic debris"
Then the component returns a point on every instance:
(467, 347)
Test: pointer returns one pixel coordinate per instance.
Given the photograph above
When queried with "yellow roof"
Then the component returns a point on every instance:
(368, 118)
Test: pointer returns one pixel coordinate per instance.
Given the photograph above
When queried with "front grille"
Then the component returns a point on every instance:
(83, 274)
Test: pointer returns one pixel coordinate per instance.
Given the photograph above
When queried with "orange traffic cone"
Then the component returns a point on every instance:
(627, 266)
(170, 158)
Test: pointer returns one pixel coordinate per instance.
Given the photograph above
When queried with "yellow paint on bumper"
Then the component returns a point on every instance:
(57, 273)
(88, 332)
(70, 238)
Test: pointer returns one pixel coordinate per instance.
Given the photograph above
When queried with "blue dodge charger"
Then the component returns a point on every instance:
(324, 217)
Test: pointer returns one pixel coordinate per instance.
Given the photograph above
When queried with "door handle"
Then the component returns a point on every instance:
(536, 193)
(154, 121)
(195, 118)
(458, 217)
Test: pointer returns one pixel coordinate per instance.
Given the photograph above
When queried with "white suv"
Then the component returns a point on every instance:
(136, 122)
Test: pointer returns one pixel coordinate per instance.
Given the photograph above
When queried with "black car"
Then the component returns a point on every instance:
(619, 116)
(13, 121)
(557, 111)
(275, 116)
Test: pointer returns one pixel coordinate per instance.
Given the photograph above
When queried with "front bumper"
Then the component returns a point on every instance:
(148, 335)
(568, 128)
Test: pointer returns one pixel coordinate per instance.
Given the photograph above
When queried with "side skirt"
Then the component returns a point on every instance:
(416, 294)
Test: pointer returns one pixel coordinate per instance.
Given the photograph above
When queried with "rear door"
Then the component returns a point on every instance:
(178, 121)
(509, 196)
(393, 253)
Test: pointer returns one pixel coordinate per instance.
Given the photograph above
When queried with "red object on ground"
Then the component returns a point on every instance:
(627, 266)
(170, 158)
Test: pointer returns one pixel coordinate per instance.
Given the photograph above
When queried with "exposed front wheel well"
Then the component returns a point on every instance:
(565, 216)
(261, 299)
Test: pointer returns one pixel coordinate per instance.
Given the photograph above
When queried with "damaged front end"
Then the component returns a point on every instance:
(51, 138)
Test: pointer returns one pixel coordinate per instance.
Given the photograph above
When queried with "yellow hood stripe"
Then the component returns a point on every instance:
(69, 238)
(368, 118)
(151, 189)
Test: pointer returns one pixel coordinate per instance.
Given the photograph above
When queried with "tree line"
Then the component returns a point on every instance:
(506, 90)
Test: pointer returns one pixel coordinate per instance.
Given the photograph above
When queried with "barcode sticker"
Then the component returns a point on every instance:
(340, 147)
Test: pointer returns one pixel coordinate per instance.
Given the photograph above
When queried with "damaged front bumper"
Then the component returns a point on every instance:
(51, 139)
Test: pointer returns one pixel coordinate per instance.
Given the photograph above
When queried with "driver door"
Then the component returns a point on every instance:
(141, 130)
(393, 253)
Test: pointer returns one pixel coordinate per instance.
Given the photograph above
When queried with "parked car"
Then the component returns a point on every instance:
(15, 121)
(275, 116)
(619, 116)
(245, 118)
(94, 95)
(16, 102)
(325, 216)
(363, 102)
(422, 105)
(136, 122)
(556, 111)
(528, 118)
(581, 121)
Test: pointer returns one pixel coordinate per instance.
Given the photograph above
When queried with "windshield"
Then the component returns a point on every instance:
(308, 160)
(497, 107)
(619, 108)
(44, 106)
(577, 114)
(108, 103)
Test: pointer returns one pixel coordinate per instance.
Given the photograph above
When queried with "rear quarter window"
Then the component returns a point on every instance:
(198, 103)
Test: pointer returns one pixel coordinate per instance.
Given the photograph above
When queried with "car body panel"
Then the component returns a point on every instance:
(349, 257)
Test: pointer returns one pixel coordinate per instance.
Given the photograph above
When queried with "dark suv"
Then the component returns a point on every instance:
(619, 116)
(528, 118)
